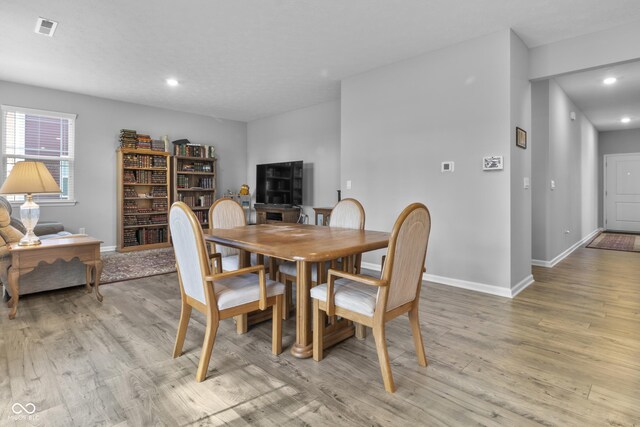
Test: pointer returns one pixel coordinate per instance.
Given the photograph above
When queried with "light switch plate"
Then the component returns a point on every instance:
(526, 183)
(553, 184)
(348, 184)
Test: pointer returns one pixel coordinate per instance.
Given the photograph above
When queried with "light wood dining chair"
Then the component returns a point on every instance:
(227, 213)
(216, 294)
(348, 213)
(373, 302)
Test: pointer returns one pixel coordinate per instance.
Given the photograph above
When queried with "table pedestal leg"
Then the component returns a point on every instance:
(303, 347)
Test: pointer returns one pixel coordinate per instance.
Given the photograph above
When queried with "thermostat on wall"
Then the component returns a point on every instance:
(447, 167)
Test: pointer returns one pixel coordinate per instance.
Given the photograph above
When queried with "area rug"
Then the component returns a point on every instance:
(118, 267)
(616, 242)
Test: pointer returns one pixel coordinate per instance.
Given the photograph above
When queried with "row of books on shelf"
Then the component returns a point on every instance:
(184, 182)
(203, 216)
(193, 201)
(144, 177)
(130, 192)
(158, 205)
(145, 236)
(131, 220)
(144, 161)
(195, 150)
(196, 166)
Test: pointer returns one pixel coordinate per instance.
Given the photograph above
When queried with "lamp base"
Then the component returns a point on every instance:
(29, 239)
(29, 214)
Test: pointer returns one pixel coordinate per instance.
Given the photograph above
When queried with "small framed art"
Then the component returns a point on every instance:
(521, 138)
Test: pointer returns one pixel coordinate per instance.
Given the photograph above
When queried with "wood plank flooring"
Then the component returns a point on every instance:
(565, 352)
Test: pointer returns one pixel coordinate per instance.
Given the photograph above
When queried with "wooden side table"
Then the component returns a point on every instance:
(26, 258)
(325, 212)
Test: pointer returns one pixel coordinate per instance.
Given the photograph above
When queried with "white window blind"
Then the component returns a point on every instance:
(45, 136)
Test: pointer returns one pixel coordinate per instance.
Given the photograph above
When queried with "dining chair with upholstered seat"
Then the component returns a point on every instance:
(218, 295)
(227, 213)
(348, 213)
(372, 301)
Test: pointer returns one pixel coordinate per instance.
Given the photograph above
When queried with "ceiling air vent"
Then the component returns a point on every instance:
(46, 27)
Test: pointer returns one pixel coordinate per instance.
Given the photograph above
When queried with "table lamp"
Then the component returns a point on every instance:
(29, 178)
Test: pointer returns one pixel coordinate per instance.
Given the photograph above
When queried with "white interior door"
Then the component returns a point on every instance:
(622, 192)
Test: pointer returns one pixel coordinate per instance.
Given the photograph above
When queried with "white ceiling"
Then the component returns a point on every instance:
(244, 59)
(604, 105)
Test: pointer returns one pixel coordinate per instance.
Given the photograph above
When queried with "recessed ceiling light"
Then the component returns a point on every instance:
(609, 80)
(625, 120)
(172, 82)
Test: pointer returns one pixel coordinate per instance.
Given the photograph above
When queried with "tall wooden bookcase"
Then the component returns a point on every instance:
(143, 199)
(193, 180)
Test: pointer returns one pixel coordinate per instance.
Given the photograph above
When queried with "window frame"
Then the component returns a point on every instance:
(70, 158)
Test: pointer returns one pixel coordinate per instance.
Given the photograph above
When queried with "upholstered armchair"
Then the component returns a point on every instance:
(374, 301)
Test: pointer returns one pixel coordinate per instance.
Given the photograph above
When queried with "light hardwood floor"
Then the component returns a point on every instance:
(566, 351)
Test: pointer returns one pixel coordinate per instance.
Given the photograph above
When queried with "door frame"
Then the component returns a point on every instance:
(604, 183)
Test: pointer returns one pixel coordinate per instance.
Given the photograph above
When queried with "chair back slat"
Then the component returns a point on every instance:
(226, 213)
(348, 213)
(406, 254)
(190, 251)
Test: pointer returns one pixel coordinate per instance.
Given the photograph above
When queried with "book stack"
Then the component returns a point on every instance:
(128, 138)
(143, 141)
(130, 192)
(159, 162)
(158, 177)
(157, 145)
(130, 238)
(158, 192)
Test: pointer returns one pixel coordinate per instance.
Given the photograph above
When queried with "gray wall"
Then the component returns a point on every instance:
(564, 151)
(97, 127)
(614, 142)
(310, 134)
(520, 92)
(399, 122)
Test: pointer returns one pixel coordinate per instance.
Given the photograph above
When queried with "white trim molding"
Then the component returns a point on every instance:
(107, 248)
(465, 284)
(563, 255)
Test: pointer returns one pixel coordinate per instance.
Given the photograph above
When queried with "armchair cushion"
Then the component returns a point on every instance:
(350, 295)
(10, 234)
(45, 228)
(238, 290)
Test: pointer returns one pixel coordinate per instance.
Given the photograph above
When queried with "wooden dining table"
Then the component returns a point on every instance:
(305, 245)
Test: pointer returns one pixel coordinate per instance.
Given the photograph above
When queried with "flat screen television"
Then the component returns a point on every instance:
(279, 183)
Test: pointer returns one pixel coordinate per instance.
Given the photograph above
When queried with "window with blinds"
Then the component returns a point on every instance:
(44, 136)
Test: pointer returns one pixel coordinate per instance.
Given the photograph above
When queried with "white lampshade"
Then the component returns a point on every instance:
(29, 177)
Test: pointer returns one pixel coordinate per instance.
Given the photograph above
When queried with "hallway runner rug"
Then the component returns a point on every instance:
(616, 242)
(118, 267)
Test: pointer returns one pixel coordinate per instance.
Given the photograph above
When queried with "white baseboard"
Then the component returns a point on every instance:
(563, 255)
(465, 284)
(522, 285)
(107, 248)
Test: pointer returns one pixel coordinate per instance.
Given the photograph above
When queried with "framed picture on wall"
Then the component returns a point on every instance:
(521, 138)
(492, 163)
